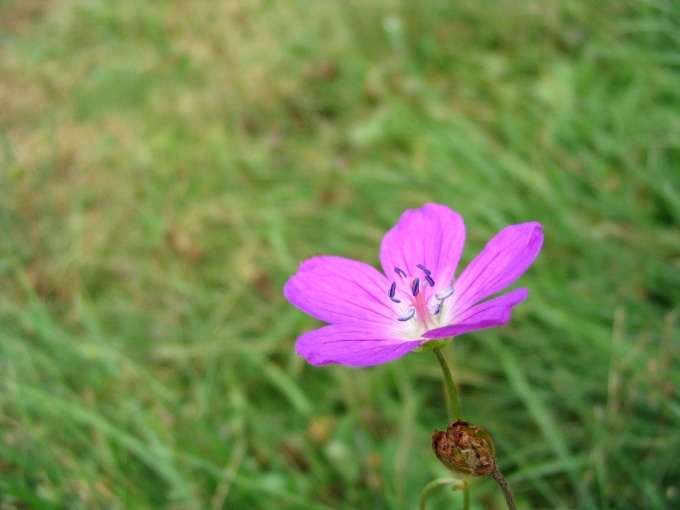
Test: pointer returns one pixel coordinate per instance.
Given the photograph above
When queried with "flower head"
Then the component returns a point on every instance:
(376, 317)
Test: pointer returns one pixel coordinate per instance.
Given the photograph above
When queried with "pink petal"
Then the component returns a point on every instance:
(500, 263)
(495, 312)
(433, 236)
(355, 345)
(340, 290)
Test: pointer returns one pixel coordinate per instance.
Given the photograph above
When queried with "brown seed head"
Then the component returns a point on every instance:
(465, 449)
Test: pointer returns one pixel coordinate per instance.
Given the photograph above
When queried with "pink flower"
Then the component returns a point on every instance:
(374, 317)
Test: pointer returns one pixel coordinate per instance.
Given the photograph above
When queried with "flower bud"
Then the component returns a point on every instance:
(465, 449)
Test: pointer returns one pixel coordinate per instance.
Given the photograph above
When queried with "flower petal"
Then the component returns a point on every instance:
(433, 236)
(500, 263)
(495, 312)
(355, 345)
(340, 290)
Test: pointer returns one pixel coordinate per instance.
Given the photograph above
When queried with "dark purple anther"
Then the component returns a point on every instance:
(393, 291)
(430, 280)
(424, 269)
(416, 287)
(400, 272)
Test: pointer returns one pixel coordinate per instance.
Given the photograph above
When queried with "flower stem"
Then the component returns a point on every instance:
(507, 493)
(454, 409)
(454, 483)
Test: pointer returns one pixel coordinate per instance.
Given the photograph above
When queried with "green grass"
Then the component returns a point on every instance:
(164, 167)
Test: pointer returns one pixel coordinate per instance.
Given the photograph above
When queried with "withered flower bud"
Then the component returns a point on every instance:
(465, 449)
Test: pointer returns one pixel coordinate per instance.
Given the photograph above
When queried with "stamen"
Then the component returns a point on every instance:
(392, 292)
(444, 293)
(408, 316)
(430, 280)
(416, 287)
(434, 309)
(424, 269)
(400, 272)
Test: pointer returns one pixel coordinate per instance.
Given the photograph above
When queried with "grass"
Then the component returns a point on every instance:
(164, 167)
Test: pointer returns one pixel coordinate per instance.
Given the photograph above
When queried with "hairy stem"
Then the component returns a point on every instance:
(507, 493)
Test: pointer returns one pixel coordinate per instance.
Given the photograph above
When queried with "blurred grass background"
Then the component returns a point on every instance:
(164, 167)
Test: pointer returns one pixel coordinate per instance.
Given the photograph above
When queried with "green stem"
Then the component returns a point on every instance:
(435, 484)
(454, 409)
